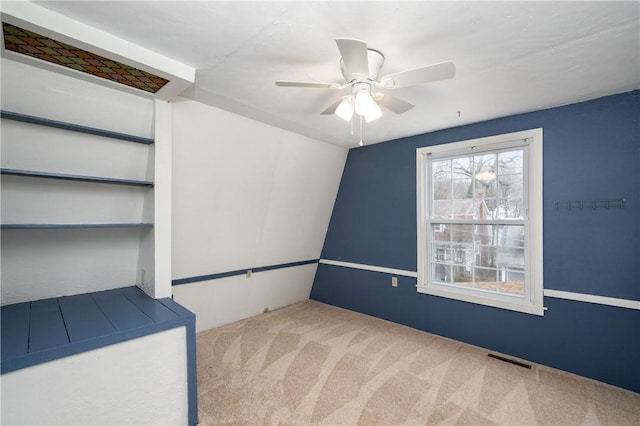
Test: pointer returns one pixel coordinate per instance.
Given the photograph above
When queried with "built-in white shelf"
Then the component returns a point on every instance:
(74, 127)
(78, 178)
(74, 177)
(74, 225)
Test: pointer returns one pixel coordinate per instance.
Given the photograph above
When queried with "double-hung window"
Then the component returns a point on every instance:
(480, 221)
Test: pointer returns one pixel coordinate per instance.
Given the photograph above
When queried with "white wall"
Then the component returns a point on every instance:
(42, 264)
(34, 91)
(246, 194)
(142, 381)
(160, 249)
(225, 300)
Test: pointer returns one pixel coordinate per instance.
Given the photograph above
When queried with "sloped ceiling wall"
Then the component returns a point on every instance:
(246, 195)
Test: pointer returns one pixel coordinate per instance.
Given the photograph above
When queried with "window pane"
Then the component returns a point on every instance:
(460, 233)
(441, 170)
(462, 167)
(462, 188)
(509, 208)
(441, 253)
(486, 188)
(485, 170)
(500, 281)
(484, 208)
(442, 209)
(511, 282)
(441, 189)
(441, 273)
(486, 279)
(510, 252)
(484, 234)
(509, 186)
(462, 254)
(462, 276)
(462, 209)
(510, 162)
(481, 187)
(484, 257)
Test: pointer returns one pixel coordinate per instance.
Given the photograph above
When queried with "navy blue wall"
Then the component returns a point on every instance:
(591, 152)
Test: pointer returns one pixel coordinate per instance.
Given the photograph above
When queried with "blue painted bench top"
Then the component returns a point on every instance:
(44, 330)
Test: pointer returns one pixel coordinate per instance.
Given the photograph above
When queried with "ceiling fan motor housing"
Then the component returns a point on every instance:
(358, 87)
(375, 59)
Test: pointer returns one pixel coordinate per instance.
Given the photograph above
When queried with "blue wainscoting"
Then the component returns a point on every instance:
(591, 152)
(592, 340)
(45, 330)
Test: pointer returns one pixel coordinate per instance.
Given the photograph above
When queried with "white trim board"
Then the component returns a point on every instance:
(592, 298)
(372, 268)
(558, 294)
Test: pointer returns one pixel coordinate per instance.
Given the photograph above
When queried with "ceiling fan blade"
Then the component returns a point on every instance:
(319, 85)
(441, 71)
(354, 55)
(394, 104)
(332, 108)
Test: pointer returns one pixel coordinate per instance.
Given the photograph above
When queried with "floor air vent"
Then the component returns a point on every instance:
(510, 361)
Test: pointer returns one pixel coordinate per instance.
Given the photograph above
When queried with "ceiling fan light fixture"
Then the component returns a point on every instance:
(364, 104)
(345, 109)
(360, 67)
(372, 113)
(363, 100)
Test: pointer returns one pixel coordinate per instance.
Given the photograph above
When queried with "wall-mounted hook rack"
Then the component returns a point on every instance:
(592, 204)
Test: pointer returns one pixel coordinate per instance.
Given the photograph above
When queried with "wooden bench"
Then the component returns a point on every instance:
(44, 330)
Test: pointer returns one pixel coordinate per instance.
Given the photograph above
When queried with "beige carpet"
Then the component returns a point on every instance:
(312, 363)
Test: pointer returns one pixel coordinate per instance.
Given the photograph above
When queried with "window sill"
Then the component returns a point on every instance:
(523, 305)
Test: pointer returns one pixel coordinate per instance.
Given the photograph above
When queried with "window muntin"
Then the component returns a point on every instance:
(475, 224)
(488, 258)
(485, 186)
(474, 189)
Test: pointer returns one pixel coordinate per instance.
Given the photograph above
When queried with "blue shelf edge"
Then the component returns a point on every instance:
(15, 116)
(80, 178)
(74, 225)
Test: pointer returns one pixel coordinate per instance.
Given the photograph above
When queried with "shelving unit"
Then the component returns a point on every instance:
(86, 251)
(74, 177)
(38, 213)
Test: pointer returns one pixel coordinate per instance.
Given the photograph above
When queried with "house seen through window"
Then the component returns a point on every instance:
(480, 221)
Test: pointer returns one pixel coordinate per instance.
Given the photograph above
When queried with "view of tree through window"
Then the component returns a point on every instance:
(477, 234)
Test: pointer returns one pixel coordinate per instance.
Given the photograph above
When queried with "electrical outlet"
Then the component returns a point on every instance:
(394, 281)
(249, 272)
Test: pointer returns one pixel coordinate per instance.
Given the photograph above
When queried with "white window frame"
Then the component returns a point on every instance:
(531, 140)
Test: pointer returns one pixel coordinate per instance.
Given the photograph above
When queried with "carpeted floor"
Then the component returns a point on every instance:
(312, 363)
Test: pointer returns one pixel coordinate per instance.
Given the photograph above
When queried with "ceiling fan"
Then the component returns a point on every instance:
(360, 67)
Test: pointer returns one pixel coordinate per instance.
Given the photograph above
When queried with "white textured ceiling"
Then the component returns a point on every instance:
(511, 57)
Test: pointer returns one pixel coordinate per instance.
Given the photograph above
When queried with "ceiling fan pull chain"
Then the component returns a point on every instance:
(361, 143)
